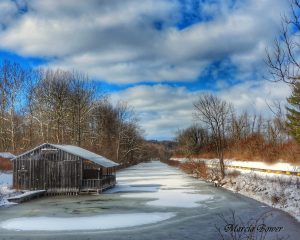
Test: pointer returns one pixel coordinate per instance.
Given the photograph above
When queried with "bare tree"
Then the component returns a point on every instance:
(81, 100)
(131, 143)
(240, 126)
(52, 104)
(192, 139)
(62, 107)
(125, 118)
(282, 59)
(278, 128)
(214, 113)
(116, 132)
(12, 80)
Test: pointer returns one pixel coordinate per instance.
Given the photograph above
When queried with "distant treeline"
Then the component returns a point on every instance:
(65, 107)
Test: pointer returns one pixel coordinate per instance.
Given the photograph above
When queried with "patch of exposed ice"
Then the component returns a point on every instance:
(133, 178)
(122, 188)
(102, 222)
(173, 198)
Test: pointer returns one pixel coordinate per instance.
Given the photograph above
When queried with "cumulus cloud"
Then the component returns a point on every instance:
(154, 41)
(8, 10)
(128, 42)
(163, 109)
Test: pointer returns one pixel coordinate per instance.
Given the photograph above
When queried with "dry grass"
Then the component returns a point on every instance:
(171, 163)
(197, 168)
(233, 174)
(255, 148)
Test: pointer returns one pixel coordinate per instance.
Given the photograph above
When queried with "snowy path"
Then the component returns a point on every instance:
(275, 168)
(151, 201)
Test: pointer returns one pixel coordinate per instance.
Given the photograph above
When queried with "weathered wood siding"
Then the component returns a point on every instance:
(54, 172)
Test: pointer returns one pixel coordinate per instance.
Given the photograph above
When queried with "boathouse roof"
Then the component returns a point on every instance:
(80, 152)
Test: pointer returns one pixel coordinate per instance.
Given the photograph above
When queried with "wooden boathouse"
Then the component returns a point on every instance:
(63, 169)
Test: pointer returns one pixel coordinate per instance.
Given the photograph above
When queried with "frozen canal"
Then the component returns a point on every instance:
(151, 201)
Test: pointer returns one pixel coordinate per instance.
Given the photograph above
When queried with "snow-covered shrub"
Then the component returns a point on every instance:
(197, 169)
(298, 183)
(279, 199)
(275, 198)
(233, 174)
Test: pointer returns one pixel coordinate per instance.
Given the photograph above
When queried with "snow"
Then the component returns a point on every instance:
(5, 203)
(5, 191)
(5, 179)
(102, 222)
(7, 155)
(278, 191)
(163, 188)
(83, 153)
(173, 198)
(281, 166)
(262, 165)
(282, 192)
(27, 193)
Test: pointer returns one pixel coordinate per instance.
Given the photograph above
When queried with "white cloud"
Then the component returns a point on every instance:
(255, 96)
(116, 41)
(164, 109)
(8, 10)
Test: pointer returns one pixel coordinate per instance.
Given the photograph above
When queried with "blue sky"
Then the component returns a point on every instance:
(158, 56)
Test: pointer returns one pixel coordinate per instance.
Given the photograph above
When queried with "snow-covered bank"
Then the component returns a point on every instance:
(282, 192)
(5, 193)
(5, 188)
(281, 166)
(276, 190)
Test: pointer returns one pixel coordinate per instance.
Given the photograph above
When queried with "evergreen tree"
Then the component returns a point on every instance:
(293, 112)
